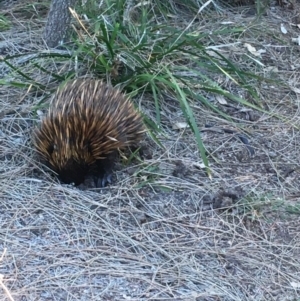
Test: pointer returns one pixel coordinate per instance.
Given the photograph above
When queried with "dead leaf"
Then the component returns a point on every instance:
(253, 50)
(296, 40)
(179, 125)
(295, 284)
(271, 69)
(296, 90)
(221, 99)
(283, 29)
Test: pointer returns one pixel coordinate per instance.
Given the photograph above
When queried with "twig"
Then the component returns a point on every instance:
(1, 280)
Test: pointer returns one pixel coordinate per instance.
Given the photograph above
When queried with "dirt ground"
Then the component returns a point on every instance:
(163, 230)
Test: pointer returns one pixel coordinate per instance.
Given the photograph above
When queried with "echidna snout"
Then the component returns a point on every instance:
(73, 172)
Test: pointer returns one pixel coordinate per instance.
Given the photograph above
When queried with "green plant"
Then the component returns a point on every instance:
(4, 23)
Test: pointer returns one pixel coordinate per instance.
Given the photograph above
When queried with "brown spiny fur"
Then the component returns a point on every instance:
(86, 122)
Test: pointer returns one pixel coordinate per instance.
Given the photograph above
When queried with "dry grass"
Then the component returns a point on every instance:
(153, 235)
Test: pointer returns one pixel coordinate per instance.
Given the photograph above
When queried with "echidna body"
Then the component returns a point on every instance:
(86, 123)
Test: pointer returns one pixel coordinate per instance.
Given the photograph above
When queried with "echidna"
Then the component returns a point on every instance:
(87, 122)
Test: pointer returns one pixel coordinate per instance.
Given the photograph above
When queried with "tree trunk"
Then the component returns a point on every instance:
(58, 22)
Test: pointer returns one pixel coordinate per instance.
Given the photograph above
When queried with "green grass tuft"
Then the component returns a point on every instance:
(4, 23)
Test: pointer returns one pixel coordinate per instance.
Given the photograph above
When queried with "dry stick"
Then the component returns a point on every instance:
(3, 254)
(1, 280)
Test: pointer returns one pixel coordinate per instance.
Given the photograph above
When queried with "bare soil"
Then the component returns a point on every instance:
(163, 230)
